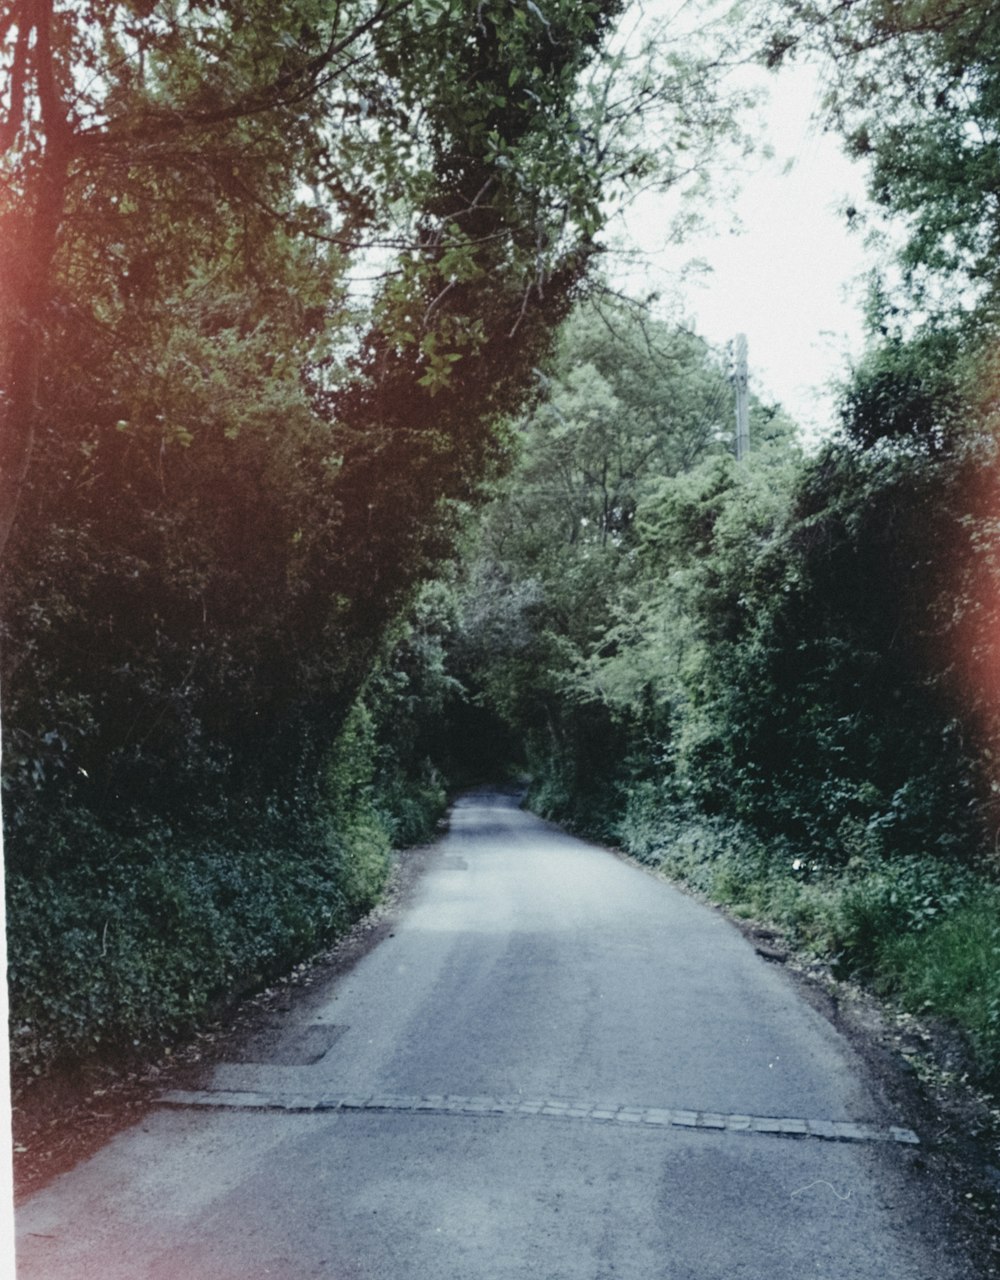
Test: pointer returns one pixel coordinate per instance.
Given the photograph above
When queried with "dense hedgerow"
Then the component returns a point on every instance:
(111, 956)
(140, 938)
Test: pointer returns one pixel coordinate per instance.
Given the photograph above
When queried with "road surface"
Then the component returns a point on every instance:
(557, 1067)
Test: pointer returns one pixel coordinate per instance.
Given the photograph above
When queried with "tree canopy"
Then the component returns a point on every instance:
(291, 289)
(915, 91)
(273, 276)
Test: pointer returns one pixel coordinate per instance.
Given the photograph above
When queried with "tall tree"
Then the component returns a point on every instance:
(190, 109)
(244, 459)
(915, 90)
(554, 581)
(463, 137)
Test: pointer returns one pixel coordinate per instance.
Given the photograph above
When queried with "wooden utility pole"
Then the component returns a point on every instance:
(740, 379)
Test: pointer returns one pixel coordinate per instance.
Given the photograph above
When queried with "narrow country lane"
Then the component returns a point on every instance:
(556, 1067)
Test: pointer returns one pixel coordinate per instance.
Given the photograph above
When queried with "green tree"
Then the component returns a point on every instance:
(272, 275)
(133, 133)
(915, 90)
(554, 579)
(464, 139)
(241, 467)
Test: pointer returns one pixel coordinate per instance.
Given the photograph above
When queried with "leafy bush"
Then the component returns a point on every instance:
(951, 968)
(920, 930)
(113, 956)
(892, 899)
(139, 938)
(131, 952)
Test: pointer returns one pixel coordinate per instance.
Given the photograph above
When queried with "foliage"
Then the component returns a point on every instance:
(949, 970)
(625, 399)
(774, 679)
(907, 393)
(913, 89)
(237, 666)
(241, 465)
(232, 464)
(820, 700)
(918, 929)
(116, 956)
(123, 938)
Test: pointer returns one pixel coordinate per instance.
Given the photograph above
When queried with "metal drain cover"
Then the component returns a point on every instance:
(294, 1048)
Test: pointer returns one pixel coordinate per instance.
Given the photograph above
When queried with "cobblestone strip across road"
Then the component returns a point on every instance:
(559, 1108)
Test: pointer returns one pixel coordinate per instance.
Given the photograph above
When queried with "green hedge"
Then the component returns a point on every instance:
(135, 937)
(121, 955)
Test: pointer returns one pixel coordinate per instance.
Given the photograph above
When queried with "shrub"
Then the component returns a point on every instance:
(137, 935)
(114, 956)
(951, 968)
(881, 903)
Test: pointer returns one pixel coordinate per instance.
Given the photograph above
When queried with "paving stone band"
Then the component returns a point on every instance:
(559, 1108)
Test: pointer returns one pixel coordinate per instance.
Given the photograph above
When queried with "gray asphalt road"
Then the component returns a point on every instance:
(556, 1067)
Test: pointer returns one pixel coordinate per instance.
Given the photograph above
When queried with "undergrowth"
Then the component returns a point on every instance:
(132, 938)
(115, 956)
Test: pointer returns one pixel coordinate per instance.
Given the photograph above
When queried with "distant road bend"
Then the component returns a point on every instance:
(556, 1067)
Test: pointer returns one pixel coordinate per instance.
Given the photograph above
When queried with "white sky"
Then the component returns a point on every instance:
(790, 280)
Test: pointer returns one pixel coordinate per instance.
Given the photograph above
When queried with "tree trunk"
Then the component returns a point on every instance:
(31, 236)
(29, 232)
